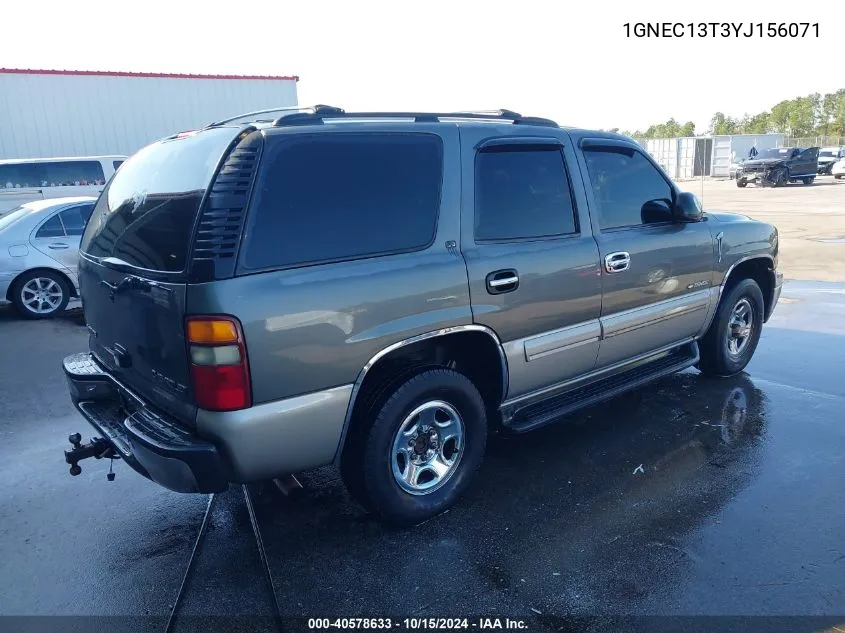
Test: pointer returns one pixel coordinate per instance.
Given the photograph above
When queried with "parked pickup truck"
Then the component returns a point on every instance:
(382, 291)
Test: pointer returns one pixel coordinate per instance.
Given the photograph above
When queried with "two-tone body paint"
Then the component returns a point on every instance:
(313, 332)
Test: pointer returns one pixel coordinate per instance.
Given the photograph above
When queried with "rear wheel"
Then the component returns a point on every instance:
(421, 450)
(729, 344)
(40, 294)
(839, 176)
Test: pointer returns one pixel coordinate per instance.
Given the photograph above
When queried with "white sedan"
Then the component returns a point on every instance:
(838, 169)
(39, 249)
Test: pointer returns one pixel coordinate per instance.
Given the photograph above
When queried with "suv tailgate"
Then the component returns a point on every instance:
(133, 266)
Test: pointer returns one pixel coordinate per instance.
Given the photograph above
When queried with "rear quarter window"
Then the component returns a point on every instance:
(338, 196)
(51, 228)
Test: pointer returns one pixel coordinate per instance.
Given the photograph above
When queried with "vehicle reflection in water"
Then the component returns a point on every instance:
(602, 506)
(615, 496)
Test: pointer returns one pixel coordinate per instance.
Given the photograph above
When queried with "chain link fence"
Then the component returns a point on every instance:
(815, 141)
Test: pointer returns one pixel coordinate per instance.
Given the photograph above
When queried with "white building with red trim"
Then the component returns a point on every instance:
(49, 113)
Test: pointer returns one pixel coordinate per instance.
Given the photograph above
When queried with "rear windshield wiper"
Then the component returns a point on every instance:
(116, 262)
(129, 282)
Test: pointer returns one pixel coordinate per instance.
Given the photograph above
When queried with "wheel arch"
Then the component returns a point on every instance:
(13, 285)
(760, 268)
(486, 366)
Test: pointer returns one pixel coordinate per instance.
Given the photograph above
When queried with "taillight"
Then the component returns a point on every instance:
(219, 365)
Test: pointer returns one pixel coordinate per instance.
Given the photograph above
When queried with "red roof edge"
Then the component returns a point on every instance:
(115, 73)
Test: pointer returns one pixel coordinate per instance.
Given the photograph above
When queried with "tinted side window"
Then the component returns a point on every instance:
(324, 197)
(71, 173)
(76, 218)
(117, 164)
(19, 175)
(51, 228)
(522, 192)
(623, 181)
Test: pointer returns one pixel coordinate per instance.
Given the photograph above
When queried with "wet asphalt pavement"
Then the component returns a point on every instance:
(690, 497)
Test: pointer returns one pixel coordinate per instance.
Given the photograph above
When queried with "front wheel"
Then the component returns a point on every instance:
(809, 181)
(421, 450)
(729, 343)
(740, 182)
(782, 178)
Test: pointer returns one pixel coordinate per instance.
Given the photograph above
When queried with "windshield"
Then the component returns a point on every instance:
(782, 152)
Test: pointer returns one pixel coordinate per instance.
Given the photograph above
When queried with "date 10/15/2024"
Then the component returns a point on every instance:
(421, 623)
(721, 29)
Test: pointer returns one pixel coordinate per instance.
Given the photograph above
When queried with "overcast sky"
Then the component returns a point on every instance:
(573, 64)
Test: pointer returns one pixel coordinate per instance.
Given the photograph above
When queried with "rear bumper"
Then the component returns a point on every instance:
(153, 445)
(264, 441)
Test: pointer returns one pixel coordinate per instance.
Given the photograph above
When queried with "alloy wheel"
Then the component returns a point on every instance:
(41, 295)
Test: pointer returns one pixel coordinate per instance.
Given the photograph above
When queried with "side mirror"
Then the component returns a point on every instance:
(658, 210)
(687, 208)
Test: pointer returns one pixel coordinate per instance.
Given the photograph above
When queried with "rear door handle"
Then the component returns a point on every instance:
(57, 247)
(617, 262)
(501, 281)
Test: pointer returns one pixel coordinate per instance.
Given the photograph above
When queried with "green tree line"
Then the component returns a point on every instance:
(813, 115)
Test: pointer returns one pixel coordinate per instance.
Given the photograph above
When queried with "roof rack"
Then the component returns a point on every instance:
(318, 114)
(304, 109)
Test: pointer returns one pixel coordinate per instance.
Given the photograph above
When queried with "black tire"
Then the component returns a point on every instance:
(782, 179)
(716, 359)
(741, 183)
(367, 468)
(838, 176)
(808, 181)
(25, 309)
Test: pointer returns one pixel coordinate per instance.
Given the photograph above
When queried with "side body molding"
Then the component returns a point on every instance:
(356, 387)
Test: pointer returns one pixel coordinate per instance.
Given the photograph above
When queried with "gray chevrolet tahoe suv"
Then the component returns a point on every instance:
(381, 291)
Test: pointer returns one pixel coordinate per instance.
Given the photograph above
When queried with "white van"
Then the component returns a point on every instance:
(27, 179)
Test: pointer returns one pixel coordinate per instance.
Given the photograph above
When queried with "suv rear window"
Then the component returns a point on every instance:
(145, 215)
(335, 196)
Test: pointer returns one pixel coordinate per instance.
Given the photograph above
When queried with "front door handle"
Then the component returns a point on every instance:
(502, 281)
(57, 247)
(617, 262)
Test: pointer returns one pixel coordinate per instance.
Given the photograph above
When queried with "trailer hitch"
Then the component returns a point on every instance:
(97, 448)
